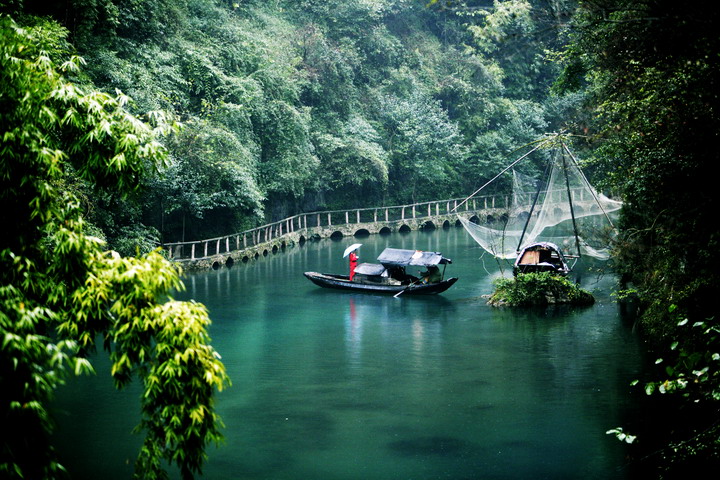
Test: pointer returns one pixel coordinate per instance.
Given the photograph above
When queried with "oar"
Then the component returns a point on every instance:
(404, 289)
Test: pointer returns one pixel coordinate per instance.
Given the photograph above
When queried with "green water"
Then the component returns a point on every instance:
(335, 385)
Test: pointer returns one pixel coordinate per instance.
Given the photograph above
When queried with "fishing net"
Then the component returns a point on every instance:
(562, 208)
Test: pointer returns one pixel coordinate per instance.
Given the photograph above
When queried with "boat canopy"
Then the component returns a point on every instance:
(370, 269)
(399, 257)
(541, 257)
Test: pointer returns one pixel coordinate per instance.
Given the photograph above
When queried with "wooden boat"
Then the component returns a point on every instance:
(390, 275)
(343, 282)
(541, 257)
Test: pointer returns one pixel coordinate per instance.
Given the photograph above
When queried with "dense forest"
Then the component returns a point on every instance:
(254, 110)
(295, 106)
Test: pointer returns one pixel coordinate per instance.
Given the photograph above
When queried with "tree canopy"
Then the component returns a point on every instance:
(62, 293)
(304, 90)
(650, 72)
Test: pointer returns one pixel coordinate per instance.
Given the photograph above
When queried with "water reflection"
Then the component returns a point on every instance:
(354, 336)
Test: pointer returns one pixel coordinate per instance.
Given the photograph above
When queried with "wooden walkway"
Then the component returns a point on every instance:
(274, 237)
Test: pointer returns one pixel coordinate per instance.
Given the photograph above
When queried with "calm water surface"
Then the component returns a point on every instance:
(335, 385)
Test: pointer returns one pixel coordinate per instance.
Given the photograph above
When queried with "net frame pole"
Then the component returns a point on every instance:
(572, 210)
(587, 183)
(537, 195)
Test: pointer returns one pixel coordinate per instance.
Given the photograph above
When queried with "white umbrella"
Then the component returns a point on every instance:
(351, 248)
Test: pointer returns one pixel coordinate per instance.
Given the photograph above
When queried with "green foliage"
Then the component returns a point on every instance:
(506, 20)
(345, 18)
(396, 99)
(328, 71)
(102, 21)
(622, 435)
(59, 289)
(693, 369)
(165, 343)
(135, 239)
(288, 163)
(517, 35)
(689, 370)
(537, 289)
(355, 165)
(649, 71)
(426, 148)
(212, 173)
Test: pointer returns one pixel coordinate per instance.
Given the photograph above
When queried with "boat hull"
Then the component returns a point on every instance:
(342, 282)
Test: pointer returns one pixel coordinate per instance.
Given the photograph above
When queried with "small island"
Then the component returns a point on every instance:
(538, 289)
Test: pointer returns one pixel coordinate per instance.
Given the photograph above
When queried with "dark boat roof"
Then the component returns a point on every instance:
(399, 257)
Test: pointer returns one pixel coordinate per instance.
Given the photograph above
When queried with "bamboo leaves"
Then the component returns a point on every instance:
(59, 289)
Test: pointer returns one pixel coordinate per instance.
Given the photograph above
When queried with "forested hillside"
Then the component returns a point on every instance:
(298, 105)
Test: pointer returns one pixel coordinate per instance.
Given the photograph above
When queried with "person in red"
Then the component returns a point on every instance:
(353, 264)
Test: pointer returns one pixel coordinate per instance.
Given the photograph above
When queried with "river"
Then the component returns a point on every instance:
(330, 385)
